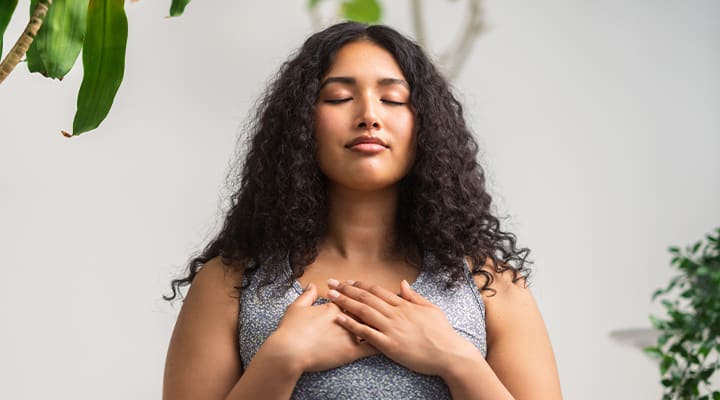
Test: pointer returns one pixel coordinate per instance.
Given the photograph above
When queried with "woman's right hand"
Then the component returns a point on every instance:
(310, 336)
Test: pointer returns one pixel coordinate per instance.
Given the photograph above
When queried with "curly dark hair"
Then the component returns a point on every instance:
(279, 205)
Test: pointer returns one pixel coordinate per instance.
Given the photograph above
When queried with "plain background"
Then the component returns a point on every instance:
(599, 125)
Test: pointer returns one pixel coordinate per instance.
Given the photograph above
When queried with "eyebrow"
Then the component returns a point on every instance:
(352, 81)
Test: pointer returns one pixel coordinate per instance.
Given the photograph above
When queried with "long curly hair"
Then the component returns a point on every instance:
(279, 204)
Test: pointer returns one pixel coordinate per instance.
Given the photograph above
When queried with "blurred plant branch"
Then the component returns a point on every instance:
(451, 61)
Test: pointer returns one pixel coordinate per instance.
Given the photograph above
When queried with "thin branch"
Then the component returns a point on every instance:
(454, 58)
(418, 22)
(25, 40)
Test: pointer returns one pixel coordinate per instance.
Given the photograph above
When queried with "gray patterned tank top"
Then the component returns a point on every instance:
(375, 377)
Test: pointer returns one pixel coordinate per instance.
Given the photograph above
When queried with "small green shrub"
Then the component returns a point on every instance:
(688, 347)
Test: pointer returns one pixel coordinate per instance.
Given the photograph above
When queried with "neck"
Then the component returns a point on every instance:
(361, 225)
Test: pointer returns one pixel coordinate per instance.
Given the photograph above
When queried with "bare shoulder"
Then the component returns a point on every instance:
(519, 348)
(213, 291)
(202, 359)
(217, 278)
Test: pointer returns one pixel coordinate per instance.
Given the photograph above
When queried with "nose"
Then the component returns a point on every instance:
(367, 115)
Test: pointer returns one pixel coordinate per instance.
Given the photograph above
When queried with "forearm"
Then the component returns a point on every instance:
(270, 375)
(471, 378)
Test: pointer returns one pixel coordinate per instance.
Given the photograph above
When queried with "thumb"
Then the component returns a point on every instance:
(411, 295)
(308, 297)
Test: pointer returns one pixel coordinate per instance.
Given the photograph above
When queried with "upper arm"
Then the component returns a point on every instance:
(202, 359)
(519, 349)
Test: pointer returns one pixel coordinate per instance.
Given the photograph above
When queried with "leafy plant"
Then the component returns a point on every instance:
(688, 346)
(59, 29)
(53, 38)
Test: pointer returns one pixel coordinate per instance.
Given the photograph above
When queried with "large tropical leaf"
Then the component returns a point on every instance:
(7, 7)
(103, 62)
(58, 43)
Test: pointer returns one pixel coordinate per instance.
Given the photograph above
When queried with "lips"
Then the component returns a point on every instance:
(366, 140)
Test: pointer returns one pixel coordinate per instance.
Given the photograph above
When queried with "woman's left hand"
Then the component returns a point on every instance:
(410, 330)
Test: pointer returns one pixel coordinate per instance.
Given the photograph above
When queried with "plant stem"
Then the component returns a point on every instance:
(25, 40)
(454, 57)
(417, 20)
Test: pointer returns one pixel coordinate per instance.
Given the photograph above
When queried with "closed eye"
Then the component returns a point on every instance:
(337, 101)
(393, 103)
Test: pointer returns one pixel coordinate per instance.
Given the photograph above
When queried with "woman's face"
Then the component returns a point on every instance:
(364, 96)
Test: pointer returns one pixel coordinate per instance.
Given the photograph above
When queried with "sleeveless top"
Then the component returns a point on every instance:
(374, 377)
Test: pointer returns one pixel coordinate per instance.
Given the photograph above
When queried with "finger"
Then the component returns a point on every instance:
(411, 295)
(369, 334)
(362, 296)
(336, 307)
(361, 308)
(307, 298)
(379, 291)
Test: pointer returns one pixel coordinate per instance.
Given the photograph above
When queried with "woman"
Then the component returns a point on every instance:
(360, 178)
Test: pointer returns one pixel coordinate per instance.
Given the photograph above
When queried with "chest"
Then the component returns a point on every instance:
(387, 275)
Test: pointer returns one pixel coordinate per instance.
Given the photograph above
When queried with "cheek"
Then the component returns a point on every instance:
(325, 139)
(325, 126)
(404, 128)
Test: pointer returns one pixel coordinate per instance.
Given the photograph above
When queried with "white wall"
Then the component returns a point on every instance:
(600, 129)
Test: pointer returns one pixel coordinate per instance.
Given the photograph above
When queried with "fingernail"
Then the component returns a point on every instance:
(350, 282)
(333, 293)
(333, 282)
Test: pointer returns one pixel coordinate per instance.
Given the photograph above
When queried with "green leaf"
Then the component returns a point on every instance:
(103, 63)
(657, 293)
(666, 363)
(716, 395)
(312, 4)
(657, 323)
(653, 351)
(7, 8)
(704, 349)
(367, 11)
(178, 7)
(673, 283)
(706, 374)
(60, 38)
(695, 247)
(674, 249)
(34, 63)
(663, 338)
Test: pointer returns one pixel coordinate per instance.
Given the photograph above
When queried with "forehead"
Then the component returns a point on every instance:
(364, 60)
